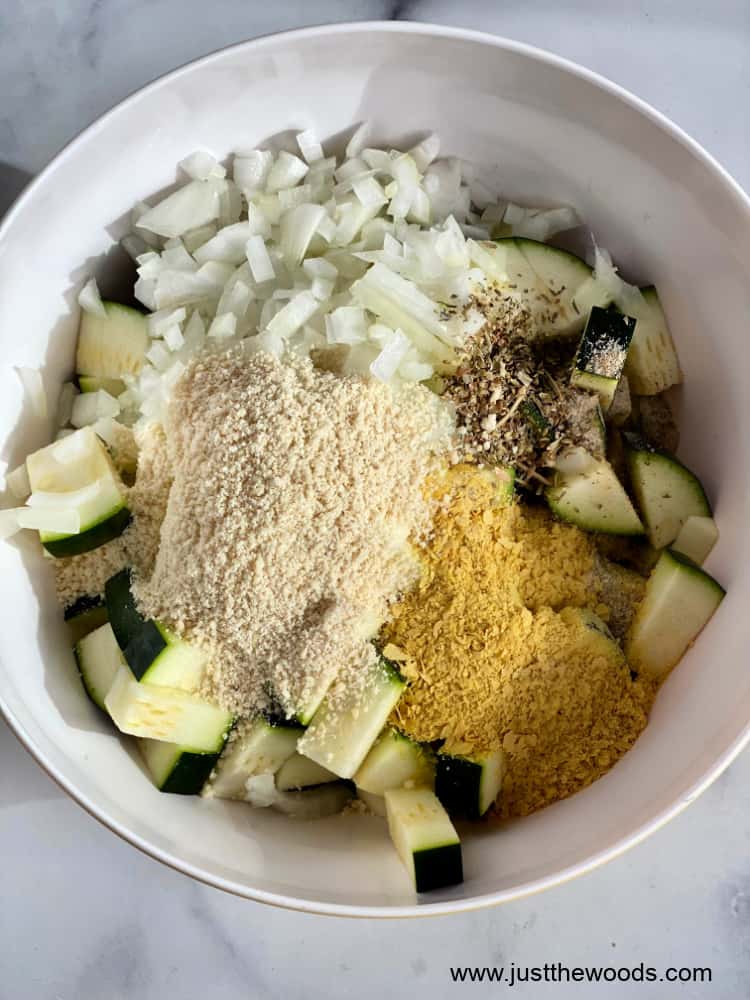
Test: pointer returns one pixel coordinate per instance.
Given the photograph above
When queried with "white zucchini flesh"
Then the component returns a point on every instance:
(346, 725)
(666, 491)
(594, 500)
(424, 837)
(375, 803)
(679, 601)
(113, 345)
(299, 772)
(394, 761)
(78, 462)
(162, 713)
(260, 748)
(696, 538)
(99, 658)
(652, 364)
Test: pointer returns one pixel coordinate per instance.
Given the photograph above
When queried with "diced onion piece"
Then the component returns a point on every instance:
(414, 370)
(309, 146)
(442, 184)
(250, 170)
(229, 243)
(346, 325)
(357, 141)
(31, 379)
(159, 356)
(425, 151)
(298, 227)
(160, 321)
(237, 294)
(369, 191)
(195, 204)
(420, 210)
(68, 392)
(201, 166)
(17, 481)
(88, 407)
(322, 288)
(293, 316)
(327, 228)
(292, 197)
(385, 366)
(378, 160)
(63, 433)
(173, 337)
(408, 295)
(9, 525)
(287, 171)
(61, 522)
(70, 499)
(574, 462)
(133, 245)
(258, 258)
(540, 224)
(109, 430)
(627, 297)
(195, 238)
(319, 267)
(90, 300)
(176, 258)
(223, 326)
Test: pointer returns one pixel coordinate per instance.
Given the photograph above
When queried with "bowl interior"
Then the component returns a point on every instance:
(536, 131)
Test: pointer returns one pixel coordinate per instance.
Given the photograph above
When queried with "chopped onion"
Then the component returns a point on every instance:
(176, 258)
(574, 462)
(63, 433)
(159, 356)
(413, 370)
(251, 170)
(133, 245)
(327, 228)
(31, 378)
(378, 160)
(160, 321)
(287, 171)
(9, 525)
(237, 294)
(357, 141)
(173, 337)
(322, 288)
(628, 298)
(201, 166)
(60, 522)
(385, 366)
(109, 430)
(195, 204)
(298, 227)
(292, 197)
(420, 210)
(88, 407)
(258, 258)
(230, 203)
(425, 151)
(319, 267)
(346, 325)
(17, 481)
(369, 191)
(68, 392)
(293, 316)
(67, 500)
(90, 300)
(229, 243)
(195, 238)
(309, 146)
(540, 224)
(223, 326)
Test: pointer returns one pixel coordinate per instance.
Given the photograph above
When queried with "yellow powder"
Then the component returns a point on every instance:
(500, 651)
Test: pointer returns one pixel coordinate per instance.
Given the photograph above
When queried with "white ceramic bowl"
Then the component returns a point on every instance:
(543, 129)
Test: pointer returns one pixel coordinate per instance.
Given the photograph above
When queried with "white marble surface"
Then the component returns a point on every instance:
(83, 916)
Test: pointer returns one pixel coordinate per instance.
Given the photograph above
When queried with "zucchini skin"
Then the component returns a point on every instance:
(84, 615)
(190, 773)
(143, 649)
(92, 538)
(457, 783)
(438, 867)
(125, 618)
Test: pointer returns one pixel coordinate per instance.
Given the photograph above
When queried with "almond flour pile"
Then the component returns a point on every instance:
(285, 532)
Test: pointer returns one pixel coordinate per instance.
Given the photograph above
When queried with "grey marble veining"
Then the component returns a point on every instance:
(83, 916)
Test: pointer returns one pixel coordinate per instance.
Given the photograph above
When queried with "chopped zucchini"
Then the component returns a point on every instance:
(601, 354)
(654, 420)
(652, 364)
(374, 803)
(424, 837)
(298, 772)
(93, 383)
(84, 614)
(621, 589)
(259, 747)
(621, 406)
(347, 723)
(680, 599)
(179, 770)
(696, 538)
(314, 803)
(154, 653)
(78, 466)
(99, 658)
(163, 713)
(468, 786)
(594, 499)
(113, 345)
(395, 761)
(666, 491)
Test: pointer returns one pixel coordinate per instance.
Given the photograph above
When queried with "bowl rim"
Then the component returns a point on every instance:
(421, 909)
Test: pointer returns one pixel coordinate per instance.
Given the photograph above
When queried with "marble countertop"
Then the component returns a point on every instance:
(84, 916)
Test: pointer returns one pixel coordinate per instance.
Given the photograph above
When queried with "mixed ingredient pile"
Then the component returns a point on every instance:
(368, 501)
